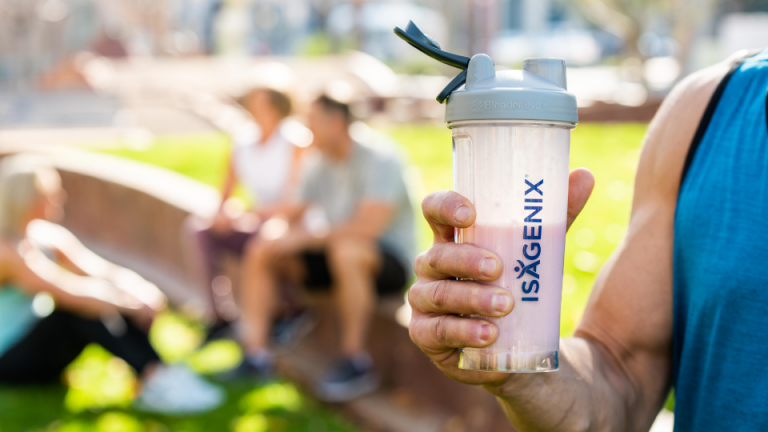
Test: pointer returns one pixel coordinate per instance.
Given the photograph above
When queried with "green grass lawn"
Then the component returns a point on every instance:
(97, 397)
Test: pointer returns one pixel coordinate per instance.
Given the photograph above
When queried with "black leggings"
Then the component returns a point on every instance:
(59, 338)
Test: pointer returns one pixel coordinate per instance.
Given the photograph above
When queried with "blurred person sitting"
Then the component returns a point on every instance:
(267, 163)
(56, 297)
(366, 248)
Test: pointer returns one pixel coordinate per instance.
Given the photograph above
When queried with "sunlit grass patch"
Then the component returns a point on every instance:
(98, 380)
(277, 396)
(215, 357)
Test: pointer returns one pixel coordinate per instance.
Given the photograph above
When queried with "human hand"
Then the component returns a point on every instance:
(142, 315)
(221, 223)
(144, 291)
(438, 301)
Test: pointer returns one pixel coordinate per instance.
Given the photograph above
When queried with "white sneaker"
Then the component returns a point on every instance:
(177, 390)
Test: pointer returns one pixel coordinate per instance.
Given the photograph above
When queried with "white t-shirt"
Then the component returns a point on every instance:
(264, 168)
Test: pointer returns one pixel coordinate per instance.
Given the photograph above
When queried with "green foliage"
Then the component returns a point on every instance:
(315, 45)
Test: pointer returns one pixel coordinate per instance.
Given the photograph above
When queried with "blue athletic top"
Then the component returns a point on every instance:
(721, 262)
(17, 317)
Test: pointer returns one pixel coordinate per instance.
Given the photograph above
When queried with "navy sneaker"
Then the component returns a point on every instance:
(349, 379)
(219, 331)
(260, 367)
(287, 332)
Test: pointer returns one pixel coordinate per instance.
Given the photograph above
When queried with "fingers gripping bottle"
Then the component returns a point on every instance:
(511, 138)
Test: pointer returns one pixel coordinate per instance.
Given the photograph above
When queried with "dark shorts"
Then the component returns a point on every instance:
(56, 340)
(391, 279)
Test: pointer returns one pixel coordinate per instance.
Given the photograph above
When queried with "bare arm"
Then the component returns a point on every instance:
(34, 274)
(75, 257)
(369, 221)
(229, 182)
(615, 371)
(286, 204)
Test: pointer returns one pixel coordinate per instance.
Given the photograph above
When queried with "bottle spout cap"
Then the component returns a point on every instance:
(480, 92)
(416, 38)
(547, 68)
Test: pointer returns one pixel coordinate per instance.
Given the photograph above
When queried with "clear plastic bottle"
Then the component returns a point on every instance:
(511, 142)
(516, 174)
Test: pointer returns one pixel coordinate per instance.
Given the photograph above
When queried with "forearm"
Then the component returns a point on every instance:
(121, 278)
(360, 228)
(585, 394)
(84, 295)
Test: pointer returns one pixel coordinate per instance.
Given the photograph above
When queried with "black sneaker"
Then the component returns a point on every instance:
(261, 368)
(220, 331)
(287, 332)
(349, 379)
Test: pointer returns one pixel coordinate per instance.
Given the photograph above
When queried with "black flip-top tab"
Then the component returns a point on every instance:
(416, 38)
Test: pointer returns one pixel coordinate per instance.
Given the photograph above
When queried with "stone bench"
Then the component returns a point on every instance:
(132, 214)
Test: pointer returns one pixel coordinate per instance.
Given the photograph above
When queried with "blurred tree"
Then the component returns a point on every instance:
(626, 19)
(623, 18)
(688, 16)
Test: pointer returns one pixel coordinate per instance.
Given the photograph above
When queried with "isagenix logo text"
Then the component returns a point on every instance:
(479, 105)
(534, 203)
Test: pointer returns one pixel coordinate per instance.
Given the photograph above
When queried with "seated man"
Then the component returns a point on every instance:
(366, 250)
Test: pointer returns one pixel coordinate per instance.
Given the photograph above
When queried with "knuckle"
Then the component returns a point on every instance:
(435, 255)
(416, 331)
(429, 201)
(440, 329)
(440, 293)
(422, 260)
(473, 297)
(413, 295)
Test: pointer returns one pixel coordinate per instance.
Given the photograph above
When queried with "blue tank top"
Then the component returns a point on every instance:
(720, 365)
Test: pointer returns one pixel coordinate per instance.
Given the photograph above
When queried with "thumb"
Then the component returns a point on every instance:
(580, 185)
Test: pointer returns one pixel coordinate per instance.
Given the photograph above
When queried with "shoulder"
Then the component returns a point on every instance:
(10, 260)
(244, 135)
(41, 231)
(312, 162)
(295, 133)
(673, 127)
(377, 156)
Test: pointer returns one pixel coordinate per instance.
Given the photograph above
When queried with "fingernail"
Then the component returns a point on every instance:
(461, 214)
(500, 302)
(488, 266)
(485, 332)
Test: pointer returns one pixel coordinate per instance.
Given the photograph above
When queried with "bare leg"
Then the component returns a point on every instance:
(258, 296)
(353, 263)
(196, 262)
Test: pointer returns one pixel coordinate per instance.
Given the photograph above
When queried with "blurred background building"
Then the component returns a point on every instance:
(119, 58)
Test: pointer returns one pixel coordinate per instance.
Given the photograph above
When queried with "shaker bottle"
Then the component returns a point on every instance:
(511, 138)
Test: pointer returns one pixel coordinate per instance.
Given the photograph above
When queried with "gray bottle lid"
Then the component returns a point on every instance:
(479, 92)
(538, 92)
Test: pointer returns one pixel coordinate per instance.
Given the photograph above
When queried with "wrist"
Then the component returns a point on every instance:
(513, 386)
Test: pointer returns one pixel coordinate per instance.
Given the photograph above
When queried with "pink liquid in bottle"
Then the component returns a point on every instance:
(532, 256)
